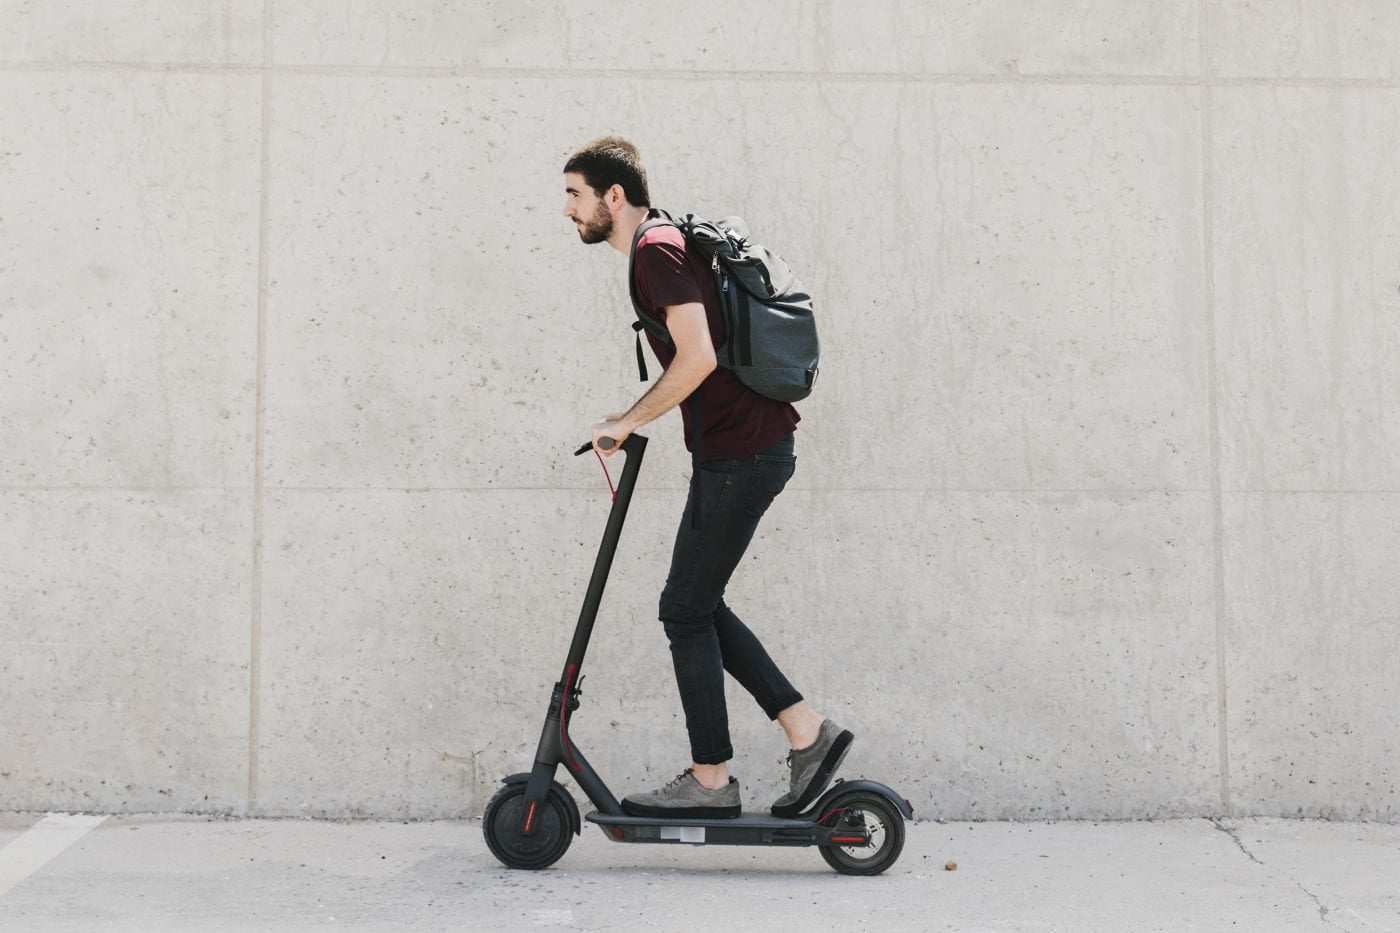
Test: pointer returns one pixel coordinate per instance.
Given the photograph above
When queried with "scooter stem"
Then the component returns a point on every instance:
(555, 747)
(634, 447)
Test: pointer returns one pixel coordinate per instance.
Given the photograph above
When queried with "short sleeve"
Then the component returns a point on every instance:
(663, 276)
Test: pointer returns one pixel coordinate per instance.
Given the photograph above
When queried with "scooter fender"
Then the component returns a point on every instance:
(818, 809)
(575, 821)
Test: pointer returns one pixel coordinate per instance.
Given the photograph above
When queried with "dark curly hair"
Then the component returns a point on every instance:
(612, 160)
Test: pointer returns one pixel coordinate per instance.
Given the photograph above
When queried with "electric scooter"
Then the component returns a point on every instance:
(858, 826)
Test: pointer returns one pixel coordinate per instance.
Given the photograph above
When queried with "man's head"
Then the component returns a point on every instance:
(599, 179)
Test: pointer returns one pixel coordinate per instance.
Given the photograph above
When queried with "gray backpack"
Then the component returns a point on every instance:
(772, 336)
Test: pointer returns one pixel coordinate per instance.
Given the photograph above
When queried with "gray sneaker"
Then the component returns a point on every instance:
(685, 797)
(813, 767)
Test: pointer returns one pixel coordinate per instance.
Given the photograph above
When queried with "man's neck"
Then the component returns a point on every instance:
(625, 224)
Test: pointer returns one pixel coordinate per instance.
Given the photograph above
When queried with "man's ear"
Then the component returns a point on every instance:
(615, 197)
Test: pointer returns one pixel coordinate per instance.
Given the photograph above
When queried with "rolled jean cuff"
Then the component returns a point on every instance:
(713, 758)
(781, 705)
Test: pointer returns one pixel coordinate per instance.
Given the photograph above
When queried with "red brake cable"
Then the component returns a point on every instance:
(606, 474)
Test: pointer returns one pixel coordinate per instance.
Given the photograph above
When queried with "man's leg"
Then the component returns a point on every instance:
(702, 561)
(706, 636)
(748, 662)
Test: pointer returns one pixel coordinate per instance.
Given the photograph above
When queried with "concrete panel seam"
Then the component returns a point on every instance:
(793, 487)
(1213, 404)
(228, 31)
(84, 487)
(586, 74)
(1203, 35)
(260, 421)
(825, 54)
(1110, 491)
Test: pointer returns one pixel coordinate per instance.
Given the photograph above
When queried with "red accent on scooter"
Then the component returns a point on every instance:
(849, 839)
(530, 817)
(606, 474)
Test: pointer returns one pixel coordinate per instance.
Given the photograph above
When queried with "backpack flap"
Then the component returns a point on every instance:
(772, 344)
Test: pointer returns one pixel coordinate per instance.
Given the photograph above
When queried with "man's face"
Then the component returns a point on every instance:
(588, 211)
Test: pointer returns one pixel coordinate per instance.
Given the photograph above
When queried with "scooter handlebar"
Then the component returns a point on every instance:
(607, 443)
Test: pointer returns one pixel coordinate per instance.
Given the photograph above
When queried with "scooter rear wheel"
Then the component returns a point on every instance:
(501, 824)
(882, 819)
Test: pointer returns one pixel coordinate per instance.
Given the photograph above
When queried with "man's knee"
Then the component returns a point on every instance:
(685, 617)
(680, 602)
(684, 632)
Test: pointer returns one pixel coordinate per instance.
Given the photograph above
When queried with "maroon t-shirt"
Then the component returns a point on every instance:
(735, 420)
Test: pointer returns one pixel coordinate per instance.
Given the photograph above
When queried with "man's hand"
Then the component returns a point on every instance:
(611, 426)
(695, 359)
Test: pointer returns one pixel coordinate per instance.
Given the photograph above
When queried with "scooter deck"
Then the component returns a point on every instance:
(747, 829)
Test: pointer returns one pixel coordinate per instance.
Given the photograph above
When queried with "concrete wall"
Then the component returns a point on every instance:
(1096, 512)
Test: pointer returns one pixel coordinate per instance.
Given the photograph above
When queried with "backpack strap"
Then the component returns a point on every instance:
(655, 218)
(638, 326)
(659, 218)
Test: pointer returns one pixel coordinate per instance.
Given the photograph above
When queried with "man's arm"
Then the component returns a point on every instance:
(695, 359)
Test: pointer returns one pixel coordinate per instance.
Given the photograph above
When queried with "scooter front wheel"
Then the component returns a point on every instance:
(501, 824)
(876, 815)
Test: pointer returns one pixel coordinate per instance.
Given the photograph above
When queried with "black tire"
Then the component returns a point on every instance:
(501, 824)
(874, 812)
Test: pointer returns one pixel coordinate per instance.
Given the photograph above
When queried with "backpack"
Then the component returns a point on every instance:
(772, 336)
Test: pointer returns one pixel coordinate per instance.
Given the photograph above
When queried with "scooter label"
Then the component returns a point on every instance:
(684, 833)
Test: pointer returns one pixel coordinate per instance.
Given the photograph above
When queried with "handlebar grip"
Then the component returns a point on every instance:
(607, 443)
(633, 446)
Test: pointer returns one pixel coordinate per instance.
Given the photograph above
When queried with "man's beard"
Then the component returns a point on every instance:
(599, 228)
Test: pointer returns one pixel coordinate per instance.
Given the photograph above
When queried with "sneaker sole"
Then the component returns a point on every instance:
(689, 813)
(832, 760)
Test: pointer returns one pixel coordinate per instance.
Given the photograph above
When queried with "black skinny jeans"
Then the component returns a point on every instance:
(706, 636)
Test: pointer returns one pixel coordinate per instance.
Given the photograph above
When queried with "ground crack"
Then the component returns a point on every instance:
(1231, 833)
(1322, 909)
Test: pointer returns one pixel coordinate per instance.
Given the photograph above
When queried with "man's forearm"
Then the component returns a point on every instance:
(675, 385)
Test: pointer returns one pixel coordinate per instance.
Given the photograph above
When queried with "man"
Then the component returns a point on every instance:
(747, 457)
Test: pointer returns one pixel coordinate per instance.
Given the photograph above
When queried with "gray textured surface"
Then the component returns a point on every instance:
(152, 873)
(1096, 507)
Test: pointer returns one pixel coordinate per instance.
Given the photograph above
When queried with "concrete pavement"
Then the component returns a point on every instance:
(167, 873)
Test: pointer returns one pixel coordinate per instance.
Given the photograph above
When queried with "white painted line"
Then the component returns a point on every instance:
(41, 844)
